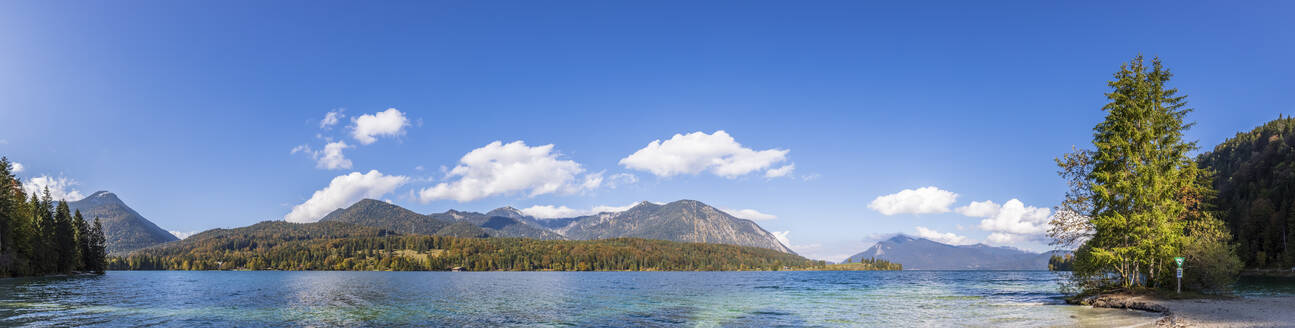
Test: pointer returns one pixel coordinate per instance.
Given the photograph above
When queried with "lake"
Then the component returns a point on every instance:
(600, 299)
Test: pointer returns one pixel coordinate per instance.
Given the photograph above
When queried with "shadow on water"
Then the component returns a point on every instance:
(767, 318)
(673, 316)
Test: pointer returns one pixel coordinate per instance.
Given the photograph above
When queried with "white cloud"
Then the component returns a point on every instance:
(553, 212)
(17, 167)
(4, 141)
(619, 179)
(979, 209)
(343, 191)
(919, 201)
(782, 237)
(390, 122)
(1012, 217)
(780, 172)
(613, 209)
(331, 119)
(331, 158)
(947, 237)
(60, 188)
(1000, 238)
(697, 152)
(749, 214)
(500, 168)
(182, 234)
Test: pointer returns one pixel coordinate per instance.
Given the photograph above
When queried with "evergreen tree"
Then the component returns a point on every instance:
(44, 244)
(84, 241)
(12, 218)
(1145, 198)
(65, 239)
(98, 249)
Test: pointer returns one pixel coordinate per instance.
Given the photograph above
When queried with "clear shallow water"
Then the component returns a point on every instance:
(610, 299)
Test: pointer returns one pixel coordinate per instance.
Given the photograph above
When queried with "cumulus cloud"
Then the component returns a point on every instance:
(1000, 238)
(17, 167)
(614, 209)
(780, 172)
(554, 212)
(782, 237)
(915, 201)
(1012, 217)
(749, 214)
(946, 237)
(618, 179)
(696, 152)
(331, 119)
(182, 234)
(330, 158)
(979, 209)
(389, 123)
(343, 191)
(500, 168)
(60, 188)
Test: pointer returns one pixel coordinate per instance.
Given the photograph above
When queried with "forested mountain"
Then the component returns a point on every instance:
(505, 225)
(684, 220)
(125, 229)
(374, 213)
(925, 254)
(1254, 175)
(379, 214)
(331, 245)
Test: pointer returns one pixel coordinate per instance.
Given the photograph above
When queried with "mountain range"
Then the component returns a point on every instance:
(684, 221)
(924, 254)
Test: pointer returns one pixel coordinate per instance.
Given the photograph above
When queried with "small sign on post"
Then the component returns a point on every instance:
(1179, 260)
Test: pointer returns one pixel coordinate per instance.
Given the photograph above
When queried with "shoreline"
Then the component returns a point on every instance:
(1257, 311)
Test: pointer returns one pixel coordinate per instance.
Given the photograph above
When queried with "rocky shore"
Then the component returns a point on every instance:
(1274, 311)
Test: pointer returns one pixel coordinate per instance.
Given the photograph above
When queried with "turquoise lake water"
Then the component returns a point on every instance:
(556, 299)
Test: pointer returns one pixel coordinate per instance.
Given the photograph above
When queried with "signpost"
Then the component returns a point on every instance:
(1179, 260)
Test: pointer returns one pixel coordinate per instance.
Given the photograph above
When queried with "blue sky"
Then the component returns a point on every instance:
(190, 111)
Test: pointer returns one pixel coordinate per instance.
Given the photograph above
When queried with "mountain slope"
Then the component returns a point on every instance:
(503, 224)
(124, 228)
(379, 214)
(924, 254)
(684, 220)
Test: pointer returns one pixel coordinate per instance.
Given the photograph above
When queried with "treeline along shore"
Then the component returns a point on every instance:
(41, 236)
(277, 245)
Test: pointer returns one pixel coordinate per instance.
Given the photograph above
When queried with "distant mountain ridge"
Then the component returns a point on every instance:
(684, 220)
(125, 229)
(924, 254)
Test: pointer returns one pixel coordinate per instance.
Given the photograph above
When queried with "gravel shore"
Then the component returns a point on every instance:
(1271, 311)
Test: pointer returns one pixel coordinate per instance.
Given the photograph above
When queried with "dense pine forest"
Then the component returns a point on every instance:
(1254, 174)
(276, 245)
(39, 236)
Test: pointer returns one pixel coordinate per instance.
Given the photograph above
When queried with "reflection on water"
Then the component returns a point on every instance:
(598, 299)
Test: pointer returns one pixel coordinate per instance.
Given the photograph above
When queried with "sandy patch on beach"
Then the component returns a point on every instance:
(1278, 311)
